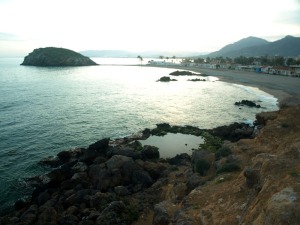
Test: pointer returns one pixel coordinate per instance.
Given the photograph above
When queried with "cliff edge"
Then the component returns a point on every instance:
(52, 56)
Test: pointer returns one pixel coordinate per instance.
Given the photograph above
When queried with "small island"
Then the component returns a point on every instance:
(52, 56)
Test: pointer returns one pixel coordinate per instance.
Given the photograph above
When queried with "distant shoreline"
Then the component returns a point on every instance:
(285, 89)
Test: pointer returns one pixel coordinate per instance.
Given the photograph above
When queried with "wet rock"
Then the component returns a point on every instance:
(100, 146)
(247, 103)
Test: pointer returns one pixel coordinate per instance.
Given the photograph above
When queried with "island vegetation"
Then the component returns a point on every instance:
(52, 56)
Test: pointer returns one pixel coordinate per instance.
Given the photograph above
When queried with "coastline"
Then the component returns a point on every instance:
(285, 89)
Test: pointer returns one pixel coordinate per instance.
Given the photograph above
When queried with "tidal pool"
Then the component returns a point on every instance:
(172, 144)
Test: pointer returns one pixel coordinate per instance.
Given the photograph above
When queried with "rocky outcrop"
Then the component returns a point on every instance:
(251, 181)
(247, 103)
(51, 56)
(165, 79)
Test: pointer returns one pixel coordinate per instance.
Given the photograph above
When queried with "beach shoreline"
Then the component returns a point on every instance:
(285, 89)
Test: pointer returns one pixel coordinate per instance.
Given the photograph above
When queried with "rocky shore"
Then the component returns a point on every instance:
(241, 175)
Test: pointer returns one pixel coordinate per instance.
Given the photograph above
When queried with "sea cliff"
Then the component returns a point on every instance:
(51, 56)
(241, 175)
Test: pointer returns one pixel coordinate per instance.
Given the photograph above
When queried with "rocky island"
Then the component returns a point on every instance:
(52, 56)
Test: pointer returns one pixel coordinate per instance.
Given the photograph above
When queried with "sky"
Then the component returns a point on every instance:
(142, 25)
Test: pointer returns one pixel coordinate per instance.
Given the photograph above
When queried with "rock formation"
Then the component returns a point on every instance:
(231, 180)
(51, 56)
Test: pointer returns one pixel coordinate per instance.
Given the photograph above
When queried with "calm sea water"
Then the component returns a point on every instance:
(47, 110)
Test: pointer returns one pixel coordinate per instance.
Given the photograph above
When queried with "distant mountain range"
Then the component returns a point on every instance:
(253, 46)
(250, 46)
(128, 54)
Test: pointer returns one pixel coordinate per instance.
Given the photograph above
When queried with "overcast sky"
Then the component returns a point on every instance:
(141, 25)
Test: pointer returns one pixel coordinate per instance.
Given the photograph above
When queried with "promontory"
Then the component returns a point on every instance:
(51, 56)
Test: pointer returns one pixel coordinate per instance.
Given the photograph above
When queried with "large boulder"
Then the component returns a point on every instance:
(51, 56)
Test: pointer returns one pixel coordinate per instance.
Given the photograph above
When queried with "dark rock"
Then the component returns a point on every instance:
(142, 177)
(197, 79)
(51, 161)
(124, 152)
(233, 132)
(194, 181)
(43, 197)
(69, 220)
(19, 204)
(100, 146)
(51, 56)
(161, 216)
(111, 215)
(166, 79)
(64, 156)
(30, 215)
(100, 200)
(154, 169)
(181, 159)
(183, 73)
(122, 191)
(100, 177)
(247, 103)
(263, 117)
(89, 156)
(150, 153)
(252, 177)
(48, 216)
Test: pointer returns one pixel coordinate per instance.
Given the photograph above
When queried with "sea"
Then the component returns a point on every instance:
(46, 110)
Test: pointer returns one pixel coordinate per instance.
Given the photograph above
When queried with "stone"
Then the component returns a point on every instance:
(150, 153)
(30, 215)
(142, 177)
(181, 159)
(161, 216)
(282, 208)
(111, 215)
(252, 177)
(100, 146)
(48, 216)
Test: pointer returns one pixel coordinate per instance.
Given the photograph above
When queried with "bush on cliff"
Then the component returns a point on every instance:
(202, 166)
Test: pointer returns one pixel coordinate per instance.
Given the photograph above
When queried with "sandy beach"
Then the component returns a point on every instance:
(285, 89)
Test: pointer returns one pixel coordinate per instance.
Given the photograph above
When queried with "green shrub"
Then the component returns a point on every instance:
(229, 167)
(222, 152)
(201, 166)
(211, 143)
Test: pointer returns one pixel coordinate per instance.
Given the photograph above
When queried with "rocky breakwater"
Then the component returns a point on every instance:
(51, 56)
(241, 174)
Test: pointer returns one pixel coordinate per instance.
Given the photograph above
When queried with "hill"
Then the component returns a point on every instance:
(144, 54)
(252, 46)
(52, 56)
